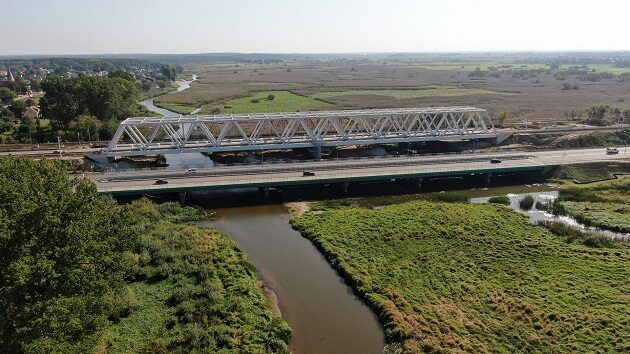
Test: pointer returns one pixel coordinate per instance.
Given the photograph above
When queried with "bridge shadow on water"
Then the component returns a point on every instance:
(255, 196)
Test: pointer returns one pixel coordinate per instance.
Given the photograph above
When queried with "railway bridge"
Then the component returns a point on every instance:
(266, 131)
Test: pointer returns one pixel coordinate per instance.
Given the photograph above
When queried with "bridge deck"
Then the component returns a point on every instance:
(335, 171)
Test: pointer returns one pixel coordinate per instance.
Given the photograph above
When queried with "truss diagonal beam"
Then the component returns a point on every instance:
(299, 129)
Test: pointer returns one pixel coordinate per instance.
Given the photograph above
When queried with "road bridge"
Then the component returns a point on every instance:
(265, 131)
(346, 171)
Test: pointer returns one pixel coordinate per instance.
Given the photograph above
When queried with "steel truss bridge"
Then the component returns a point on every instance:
(265, 131)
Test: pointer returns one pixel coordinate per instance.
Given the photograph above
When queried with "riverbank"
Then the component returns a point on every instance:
(474, 278)
(193, 289)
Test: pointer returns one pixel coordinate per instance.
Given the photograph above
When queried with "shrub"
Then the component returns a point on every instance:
(271, 97)
(575, 235)
(501, 199)
(526, 203)
(254, 100)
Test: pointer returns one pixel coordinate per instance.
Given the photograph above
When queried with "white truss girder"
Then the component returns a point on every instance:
(144, 135)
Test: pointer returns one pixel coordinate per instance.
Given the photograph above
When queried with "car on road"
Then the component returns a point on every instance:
(161, 181)
(612, 151)
(308, 173)
(57, 152)
(495, 160)
(192, 170)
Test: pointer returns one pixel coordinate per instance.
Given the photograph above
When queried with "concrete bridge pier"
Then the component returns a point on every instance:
(182, 197)
(264, 191)
(317, 151)
(419, 181)
(486, 178)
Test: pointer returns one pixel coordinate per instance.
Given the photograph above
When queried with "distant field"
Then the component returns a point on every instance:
(463, 278)
(427, 91)
(471, 66)
(283, 101)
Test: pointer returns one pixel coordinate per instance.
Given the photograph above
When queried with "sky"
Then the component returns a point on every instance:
(310, 26)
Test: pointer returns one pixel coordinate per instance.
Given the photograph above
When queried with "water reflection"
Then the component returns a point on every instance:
(536, 215)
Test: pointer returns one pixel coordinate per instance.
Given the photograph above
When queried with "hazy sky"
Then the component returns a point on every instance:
(310, 26)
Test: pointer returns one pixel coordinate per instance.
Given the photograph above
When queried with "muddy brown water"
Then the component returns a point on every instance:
(323, 312)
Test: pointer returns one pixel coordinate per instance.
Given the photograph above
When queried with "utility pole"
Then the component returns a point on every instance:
(59, 143)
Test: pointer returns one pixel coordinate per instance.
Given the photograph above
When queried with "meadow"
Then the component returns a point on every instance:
(606, 205)
(525, 91)
(459, 277)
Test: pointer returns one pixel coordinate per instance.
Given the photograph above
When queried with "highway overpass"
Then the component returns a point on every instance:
(343, 171)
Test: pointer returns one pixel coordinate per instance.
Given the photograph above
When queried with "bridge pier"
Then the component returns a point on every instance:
(344, 187)
(486, 178)
(182, 197)
(317, 151)
(419, 183)
(264, 191)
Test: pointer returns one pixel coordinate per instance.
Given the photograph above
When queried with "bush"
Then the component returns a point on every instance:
(526, 203)
(254, 100)
(575, 235)
(448, 198)
(271, 97)
(501, 199)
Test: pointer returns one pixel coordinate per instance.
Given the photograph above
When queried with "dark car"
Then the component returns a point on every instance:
(495, 160)
(161, 181)
(308, 173)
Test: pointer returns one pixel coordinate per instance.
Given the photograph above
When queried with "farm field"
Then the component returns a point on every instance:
(534, 92)
(458, 277)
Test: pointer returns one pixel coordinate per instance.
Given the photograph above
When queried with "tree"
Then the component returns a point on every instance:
(271, 97)
(598, 111)
(87, 125)
(6, 95)
(106, 98)
(123, 74)
(63, 261)
(18, 107)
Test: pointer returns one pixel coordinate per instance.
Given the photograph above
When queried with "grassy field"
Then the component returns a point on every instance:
(457, 277)
(584, 173)
(283, 101)
(193, 291)
(606, 206)
(427, 91)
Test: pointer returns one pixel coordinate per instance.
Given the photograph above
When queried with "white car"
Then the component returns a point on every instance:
(192, 170)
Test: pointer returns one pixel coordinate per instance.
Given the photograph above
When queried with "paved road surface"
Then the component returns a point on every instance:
(325, 171)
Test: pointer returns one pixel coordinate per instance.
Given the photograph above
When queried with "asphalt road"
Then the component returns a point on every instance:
(227, 176)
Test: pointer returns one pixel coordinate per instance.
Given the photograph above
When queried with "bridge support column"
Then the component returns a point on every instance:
(486, 178)
(264, 191)
(182, 197)
(344, 187)
(419, 183)
(317, 151)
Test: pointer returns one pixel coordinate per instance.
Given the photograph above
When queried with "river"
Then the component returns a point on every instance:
(324, 313)
(181, 86)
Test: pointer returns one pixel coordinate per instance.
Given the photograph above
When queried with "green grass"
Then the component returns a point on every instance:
(608, 68)
(473, 65)
(427, 91)
(606, 206)
(458, 277)
(148, 322)
(596, 171)
(175, 107)
(284, 101)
